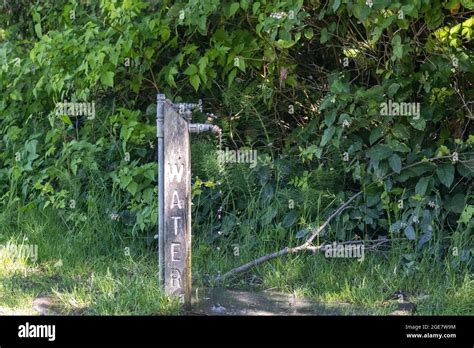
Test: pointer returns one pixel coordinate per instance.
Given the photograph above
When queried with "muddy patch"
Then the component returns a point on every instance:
(218, 301)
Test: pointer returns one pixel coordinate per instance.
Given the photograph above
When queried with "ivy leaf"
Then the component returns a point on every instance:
(445, 173)
(107, 78)
(395, 163)
(336, 5)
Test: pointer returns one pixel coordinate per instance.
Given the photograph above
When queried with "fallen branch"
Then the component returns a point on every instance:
(307, 244)
(303, 247)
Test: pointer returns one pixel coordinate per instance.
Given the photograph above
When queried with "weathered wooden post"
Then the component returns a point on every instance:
(174, 195)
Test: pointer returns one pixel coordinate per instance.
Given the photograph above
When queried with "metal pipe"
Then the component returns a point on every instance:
(183, 107)
(160, 117)
(202, 127)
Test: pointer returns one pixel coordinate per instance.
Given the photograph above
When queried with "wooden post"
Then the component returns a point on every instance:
(174, 195)
(175, 190)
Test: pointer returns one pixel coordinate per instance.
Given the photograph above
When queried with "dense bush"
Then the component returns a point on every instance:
(304, 83)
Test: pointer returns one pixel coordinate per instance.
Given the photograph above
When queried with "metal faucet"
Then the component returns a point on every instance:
(203, 127)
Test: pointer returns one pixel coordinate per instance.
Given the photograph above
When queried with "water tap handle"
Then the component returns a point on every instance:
(210, 117)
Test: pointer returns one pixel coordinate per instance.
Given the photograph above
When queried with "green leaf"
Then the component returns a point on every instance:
(328, 134)
(203, 61)
(397, 47)
(148, 195)
(393, 89)
(324, 36)
(255, 7)
(191, 70)
(38, 30)
(267, 193)
(336, 5)
(466, 215)
(395, 227)
(231, 76)
(445, 173)
(422, 185)
(290, 219)
(400, 131)
(149, 51)
(195, 81)
(425, 237)
(233, 8)
(308, 33)
(269, 215)
(372, 200)
(107, 78)
(455, 204)
(302, 233)
(395, 163)
(410, 233)
(330, 118)
(241, 65)
(125, 181)
(375, 135)
(66, 119)
(469, 4)
(132, 188)
(419, 123)
(379, 152)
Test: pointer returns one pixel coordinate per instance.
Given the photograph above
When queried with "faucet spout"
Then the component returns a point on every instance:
(202, 127)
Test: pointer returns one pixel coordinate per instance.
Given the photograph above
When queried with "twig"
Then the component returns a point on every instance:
(307, 244)
(303, 247)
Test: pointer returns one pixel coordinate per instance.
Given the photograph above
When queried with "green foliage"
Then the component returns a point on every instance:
(301, 82)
